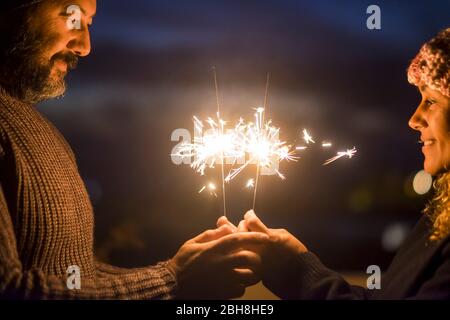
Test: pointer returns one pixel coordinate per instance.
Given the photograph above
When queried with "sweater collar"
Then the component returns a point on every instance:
(5, 96)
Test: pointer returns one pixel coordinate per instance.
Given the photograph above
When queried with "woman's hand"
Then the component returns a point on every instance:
(279, 256)
(281, 239)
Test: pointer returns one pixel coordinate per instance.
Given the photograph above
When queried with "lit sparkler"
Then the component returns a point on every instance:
(247, 143)
(255, 141)
(215, 146)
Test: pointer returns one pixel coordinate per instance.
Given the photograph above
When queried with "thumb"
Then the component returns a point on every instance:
(242, 226)
(254, 223)
(224, 221)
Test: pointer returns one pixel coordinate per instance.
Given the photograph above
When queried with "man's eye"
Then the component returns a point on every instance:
(429, 102)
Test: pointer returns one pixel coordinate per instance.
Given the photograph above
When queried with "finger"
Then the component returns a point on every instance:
(224, 221)
(242, 226)
(235, 241)
(253, 223)
(244, 259)
(213, 234)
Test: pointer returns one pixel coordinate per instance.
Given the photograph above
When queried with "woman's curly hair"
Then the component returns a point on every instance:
(438, 208)
(431, 67)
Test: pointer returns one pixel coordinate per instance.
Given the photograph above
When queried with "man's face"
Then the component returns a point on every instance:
(432, 119)
(55, 37)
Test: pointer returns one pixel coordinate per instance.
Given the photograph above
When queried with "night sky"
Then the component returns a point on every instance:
(150, 70)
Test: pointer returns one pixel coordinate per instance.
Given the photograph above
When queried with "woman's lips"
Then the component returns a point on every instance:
(428, 144)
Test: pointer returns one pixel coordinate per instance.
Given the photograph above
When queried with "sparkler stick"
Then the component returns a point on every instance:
(221, 132)
(266, 94)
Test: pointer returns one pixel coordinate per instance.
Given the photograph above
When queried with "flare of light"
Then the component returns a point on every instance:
(349, 153)
(326, 144)
(422, 182)
(260, 142)
(250, 183)
(213, 147)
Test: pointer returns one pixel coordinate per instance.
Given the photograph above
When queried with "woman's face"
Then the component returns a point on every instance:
(432, 119)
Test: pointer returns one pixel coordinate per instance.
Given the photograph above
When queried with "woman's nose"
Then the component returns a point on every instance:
(417, 120)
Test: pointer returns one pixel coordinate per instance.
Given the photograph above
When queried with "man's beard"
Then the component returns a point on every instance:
(26, 75)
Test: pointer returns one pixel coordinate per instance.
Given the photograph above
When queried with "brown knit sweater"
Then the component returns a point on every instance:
(46, 219)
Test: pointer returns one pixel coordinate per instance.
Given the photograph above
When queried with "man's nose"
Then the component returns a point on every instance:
(81, 43)
(417, 120)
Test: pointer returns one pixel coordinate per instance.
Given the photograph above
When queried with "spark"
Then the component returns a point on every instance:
(250, 183)
(307, 137)
(211, 187)
(326, 144)
(300, 148)
(349, 153)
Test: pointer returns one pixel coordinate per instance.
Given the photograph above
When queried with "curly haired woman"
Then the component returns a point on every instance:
(421, 268)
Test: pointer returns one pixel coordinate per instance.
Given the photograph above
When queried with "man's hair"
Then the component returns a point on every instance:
(24, 72)
(13, 13)
(15, 19)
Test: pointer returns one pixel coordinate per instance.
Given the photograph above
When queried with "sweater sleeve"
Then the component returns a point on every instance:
(154, 282)
(305, 277)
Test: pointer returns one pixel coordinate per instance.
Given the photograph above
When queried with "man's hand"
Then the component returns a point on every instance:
(217, 265)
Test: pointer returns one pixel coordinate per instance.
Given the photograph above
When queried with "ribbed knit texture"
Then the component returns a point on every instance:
(46, 219)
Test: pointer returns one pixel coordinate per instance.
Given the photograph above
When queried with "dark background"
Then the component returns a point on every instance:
(150, 71)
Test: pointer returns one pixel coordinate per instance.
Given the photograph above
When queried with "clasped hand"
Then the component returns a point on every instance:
(220, 263)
